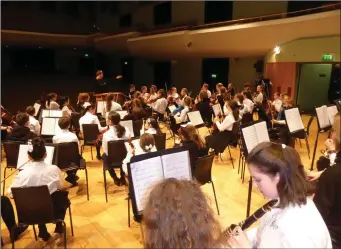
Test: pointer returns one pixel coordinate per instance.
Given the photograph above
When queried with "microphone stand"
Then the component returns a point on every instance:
(17, 169)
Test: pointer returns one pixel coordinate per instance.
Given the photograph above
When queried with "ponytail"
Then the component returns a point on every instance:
(115, 118)
(37, 150)
(120, 130)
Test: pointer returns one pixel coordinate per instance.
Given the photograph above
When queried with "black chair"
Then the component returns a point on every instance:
(137, 126)
(303, 134)
(117, 152)
(203, 173)
(12, 153)
(90, 133)
(34, 206)
(160, 141)
(247, 117)
(68, 159)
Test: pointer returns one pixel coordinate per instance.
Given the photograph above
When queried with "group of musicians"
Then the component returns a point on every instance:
(276, 169)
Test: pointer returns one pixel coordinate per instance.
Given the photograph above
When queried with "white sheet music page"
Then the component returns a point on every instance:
(217, 109)
(100, 106)
(331, 112)
(145, 174)
(36, 108)
(171, 108)
(322, 116)
(56, 113)
(45, 113)
(195, 118)
(23, 156)
(262, 132)
(250, 137)
(48, 126)
(177, 165)
(129, 125)
(122, 113)
(294, 120)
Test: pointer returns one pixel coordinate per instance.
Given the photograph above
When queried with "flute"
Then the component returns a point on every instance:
(245, 224)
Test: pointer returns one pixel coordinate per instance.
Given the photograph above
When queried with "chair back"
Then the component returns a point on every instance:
(75, 116)
(67, 155)
(235, 131)
(90, 132)
(117, 152)
(203, 169)
(309, 124)
(33, 205)
(247, 118)
(12, 153)
(137, 126)
(160, 141)
(149, 112)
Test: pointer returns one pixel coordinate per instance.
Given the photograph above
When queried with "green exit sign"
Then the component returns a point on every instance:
(213, 75)
(327, 57)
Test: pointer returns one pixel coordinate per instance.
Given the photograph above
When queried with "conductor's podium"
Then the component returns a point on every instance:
(119, 97)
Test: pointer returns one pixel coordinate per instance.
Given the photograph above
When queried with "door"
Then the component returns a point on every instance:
(313, 85)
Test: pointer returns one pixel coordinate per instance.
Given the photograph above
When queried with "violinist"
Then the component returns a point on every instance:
(173, 95)
(82, 98)
(229, 120)
(131, 91)
(247, 87)
(152, 94)
(34, 124)
(144, 93)
(22, 132)
(5, 130)
(136, 112)
(153, 126)
(67, 109)
(90, 118)
(110, 105)
(204, 107)
(247, 102)
(180, 100)
(51, 102)
(277, 103)
(115, 132)
(180, 118)
(160, 105)
(281, 114)
(205, 88)
(230, 89)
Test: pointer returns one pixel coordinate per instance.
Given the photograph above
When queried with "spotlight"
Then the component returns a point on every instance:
(277, 50)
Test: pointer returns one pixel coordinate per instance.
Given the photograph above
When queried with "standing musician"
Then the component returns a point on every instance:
(115, 132)
(34, 124)
(294, 222)
(258, 100)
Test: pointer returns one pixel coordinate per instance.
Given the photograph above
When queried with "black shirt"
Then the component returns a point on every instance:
(21, 133)
(205, 111)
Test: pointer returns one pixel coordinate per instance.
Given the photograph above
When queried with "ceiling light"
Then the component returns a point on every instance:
(277, 50)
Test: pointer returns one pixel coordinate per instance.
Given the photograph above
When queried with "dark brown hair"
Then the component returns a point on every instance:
(64, 123)
(178, 215)
(115, 118)
(189, 133)
(235, 109)
(30, 110)
(240, 97)
(22, 118)
(110, 98)
(203, 95)
(162, 93)
(39, 149)
(152, 89)
(154, 124)
(271, 159)
(50, 96)
(146, 140)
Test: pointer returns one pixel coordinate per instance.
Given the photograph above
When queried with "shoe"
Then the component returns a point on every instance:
(72, 180)
(99, 157)
(18, 231)
(138, 218)
(123, 181)
(117, 182)
(45, 236)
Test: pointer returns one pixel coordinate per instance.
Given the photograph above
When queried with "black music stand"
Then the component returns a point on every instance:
(338, 104)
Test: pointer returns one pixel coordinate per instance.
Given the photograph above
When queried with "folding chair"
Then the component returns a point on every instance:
(90, 133)
(160, 141)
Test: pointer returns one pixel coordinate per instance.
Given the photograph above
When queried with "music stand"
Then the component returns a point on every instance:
(338, 104)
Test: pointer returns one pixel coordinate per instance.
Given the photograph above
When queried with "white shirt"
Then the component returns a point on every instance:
(277, 103)
(227, 124)
(209, 93)
(138, 151)
(182, 116)
(160, 105)
(34, 125)
(66, 111)
(53, 105)
(259, 98)
(114, 107)
(89, 118)
(38, 174)
(248, 105)
(65, 136)
(180, 101)
(152, 96)
(292, 227)
(110, 135)
(151, 131)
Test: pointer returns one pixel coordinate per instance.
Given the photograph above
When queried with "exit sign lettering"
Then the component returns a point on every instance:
(327, 57)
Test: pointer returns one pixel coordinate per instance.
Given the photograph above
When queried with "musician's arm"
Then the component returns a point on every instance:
(15, 184)
(225, 124)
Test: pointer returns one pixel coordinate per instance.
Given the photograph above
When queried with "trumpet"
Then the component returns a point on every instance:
(245, 224)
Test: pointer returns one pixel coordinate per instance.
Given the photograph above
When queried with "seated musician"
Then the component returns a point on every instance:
(230, 89)
(90, 118)
(205, 88)
(189, 138)
(160, 105)
(65, 136)
(229, 120)
(82, 99)
(144, 93)
(115, 132)
(277, 103)
(181, 117)
(239, 98)
(281, 114)
(131, 91)
(247, 102)
(66, 107)
(34, 124)
(203, 106)
(110, 105)
(51, 102)
(153, 126)
(39, 173)
(152, 94)
(247, 87)
(136, 112)
(180, 100)
(173, 95)
(258, 100)
(5, 130)
(22, 132)
(138, 95)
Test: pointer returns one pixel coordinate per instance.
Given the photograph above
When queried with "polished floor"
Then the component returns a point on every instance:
(98, 224)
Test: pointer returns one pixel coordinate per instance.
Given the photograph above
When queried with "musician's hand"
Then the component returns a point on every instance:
(313, 175)
(216, 119)
(239, 240)
(9, 129)
(330, 144)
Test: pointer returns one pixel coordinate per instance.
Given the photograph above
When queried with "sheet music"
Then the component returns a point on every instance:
(217, 110)
(23, 156)
(294, 120)
(171, 108)
(122, 113)
(36, 108)
(49, 126)
(56, 113)
(250, 137)
(145, 174)
(331, 112)
(177, 165)
(195, 118)
(100, 106)
(45, 113)
(322, 116)
(262, 132)
(129, 125)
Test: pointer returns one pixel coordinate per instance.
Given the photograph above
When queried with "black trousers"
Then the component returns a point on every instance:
(71, 176)
(7, 213)
(61, 203)
(111, 170)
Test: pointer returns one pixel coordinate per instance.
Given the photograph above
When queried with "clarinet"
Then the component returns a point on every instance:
(245, 224)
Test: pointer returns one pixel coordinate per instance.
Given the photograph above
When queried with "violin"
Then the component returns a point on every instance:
(214, 126)
(7, 117)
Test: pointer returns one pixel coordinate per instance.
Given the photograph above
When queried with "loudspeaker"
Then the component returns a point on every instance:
(259, 66)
